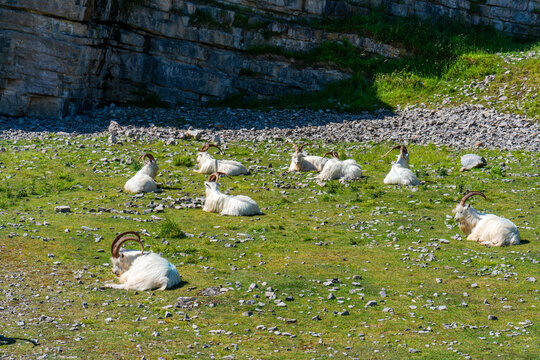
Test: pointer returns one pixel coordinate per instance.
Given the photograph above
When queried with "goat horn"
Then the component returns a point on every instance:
(302, 146)
(214, 177)
(403, 150)
(121, 239)
(150, 157)
(207, 146)
(394, 148)
(333, 153)
(469, 194)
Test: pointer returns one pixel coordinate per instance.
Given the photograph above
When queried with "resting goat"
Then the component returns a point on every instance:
(486, 229)
(218, 202)
(140, 271)
(143, 181)
(400, 174)
(209, 165)
(342, 170)
(302, 162)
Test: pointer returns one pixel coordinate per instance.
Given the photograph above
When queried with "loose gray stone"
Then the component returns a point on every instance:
(211, 291)
(470, 161)
(370, 303)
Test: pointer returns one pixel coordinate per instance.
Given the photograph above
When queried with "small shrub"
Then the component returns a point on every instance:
(496, 171)
(283, 201)
(357, 198)
(326, 198)
(442, 171)
(376, 194)
(170, 229)
(184, 160)
(334, 187)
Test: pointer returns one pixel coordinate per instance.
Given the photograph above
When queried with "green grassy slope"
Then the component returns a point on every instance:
(444, 63)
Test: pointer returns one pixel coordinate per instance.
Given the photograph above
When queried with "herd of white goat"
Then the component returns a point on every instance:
(147, 270)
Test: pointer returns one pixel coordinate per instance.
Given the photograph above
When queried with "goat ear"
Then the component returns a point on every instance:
(122, 255)
(207, 185)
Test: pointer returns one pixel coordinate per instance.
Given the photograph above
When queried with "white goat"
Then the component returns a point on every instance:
(143, 181)
(218, 202)
(400, 174)
(486, 229)
(140, 271)
(302, 162)
(209, 165)
(150, 168)
(343, 170)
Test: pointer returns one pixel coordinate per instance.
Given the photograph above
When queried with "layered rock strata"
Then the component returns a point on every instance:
(59, 57)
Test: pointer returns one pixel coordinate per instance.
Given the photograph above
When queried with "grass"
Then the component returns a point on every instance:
(170, 229)
(183, 160)
(442, 60)
(367, 235)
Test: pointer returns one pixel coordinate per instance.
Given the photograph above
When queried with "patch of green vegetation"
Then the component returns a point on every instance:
(496, 171)
(442, 171)
(136, 166)
(366, 236)
(440, 59)
(244, 22)
(183, 160)
(170, 229)
(267, 33)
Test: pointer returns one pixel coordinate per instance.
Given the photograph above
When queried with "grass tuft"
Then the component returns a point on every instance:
(170, 229)
(183, 160)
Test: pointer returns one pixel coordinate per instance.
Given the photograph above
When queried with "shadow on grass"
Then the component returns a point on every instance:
(179, 285)
(12, 340)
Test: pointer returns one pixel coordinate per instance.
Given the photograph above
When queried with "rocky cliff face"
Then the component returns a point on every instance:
(58, 57)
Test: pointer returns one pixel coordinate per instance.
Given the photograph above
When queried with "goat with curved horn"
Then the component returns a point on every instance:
(400, 174)
(232, 205)
(208, 165)
(334, 154)
(140, 270)
(343, 170)
(302, 162)
(207, 146)
(486, 229)
(470, 194)
(123, 238)
(144, 180)
(148, 157)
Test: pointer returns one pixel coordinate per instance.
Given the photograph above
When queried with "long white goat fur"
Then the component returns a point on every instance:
(338, 169)
(209, 165)
(302, 162)
(486, 229)
(143, 180)
(232, 205)
(142, 270)
(400, 174)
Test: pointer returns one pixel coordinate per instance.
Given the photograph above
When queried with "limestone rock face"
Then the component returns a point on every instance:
(58, 57)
